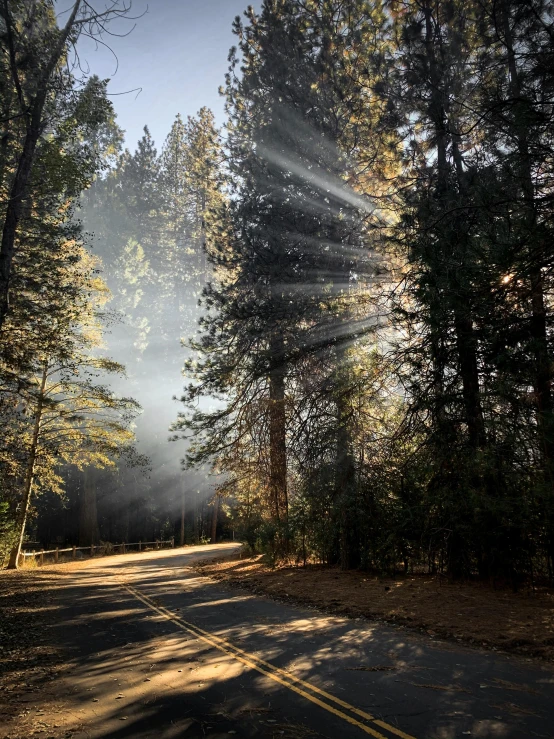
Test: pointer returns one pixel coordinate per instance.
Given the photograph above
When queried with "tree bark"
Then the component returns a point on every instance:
(196, 521)
(346, 486)
(88, 529)
(469, 371)
(277, 433)
(215, 512)
(29, 476)
(182, 531)
(542, 380)
(466, 342)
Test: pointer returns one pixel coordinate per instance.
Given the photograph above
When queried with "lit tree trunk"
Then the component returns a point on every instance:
(29, 475)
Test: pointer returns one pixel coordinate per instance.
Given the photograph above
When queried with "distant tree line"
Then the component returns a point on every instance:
(378, 327)
(147, 217)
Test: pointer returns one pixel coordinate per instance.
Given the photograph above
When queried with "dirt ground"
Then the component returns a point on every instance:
(470, 613)
(28, 662)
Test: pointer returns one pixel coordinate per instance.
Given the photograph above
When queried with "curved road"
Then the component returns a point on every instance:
(159, 652)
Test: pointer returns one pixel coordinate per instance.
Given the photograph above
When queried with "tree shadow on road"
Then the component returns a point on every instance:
(130, 673)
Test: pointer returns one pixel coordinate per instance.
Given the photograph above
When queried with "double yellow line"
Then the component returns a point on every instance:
(316, 695)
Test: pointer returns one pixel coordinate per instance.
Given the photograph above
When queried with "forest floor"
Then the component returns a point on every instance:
(466, 612)
(28, 658)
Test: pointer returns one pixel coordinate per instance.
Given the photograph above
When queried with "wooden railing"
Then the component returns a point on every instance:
(98, 549)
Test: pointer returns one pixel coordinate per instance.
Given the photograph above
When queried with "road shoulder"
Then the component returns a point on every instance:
(464, 613)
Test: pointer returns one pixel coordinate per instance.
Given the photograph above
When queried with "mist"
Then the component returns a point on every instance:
(153, 310)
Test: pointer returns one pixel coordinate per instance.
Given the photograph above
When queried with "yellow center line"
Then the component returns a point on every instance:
(272, 671)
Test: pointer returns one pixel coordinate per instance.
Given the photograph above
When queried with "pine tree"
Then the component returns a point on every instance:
(72, 419)
(205, 184)
(175, 204)
(52, 279)
(287, 259)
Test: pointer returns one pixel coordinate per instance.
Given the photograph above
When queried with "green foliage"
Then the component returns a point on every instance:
(282, 307)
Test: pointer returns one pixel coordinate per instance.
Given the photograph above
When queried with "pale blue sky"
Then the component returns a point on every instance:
(177, 54)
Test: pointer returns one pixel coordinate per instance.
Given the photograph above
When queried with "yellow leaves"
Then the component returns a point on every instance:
(101, 290)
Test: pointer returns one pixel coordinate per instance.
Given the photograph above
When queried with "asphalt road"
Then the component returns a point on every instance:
(158, 652)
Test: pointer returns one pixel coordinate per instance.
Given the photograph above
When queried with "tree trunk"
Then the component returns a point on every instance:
(196, 521)
(277, 433)
(127, 518)
(215, 511)
(182, 531)
(467, 352)
(14, 211)
(29, 476)
(88, 529)
(346, 487)
(542, 380)
(466, 343)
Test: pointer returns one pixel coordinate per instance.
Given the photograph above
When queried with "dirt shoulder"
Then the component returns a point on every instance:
(28, 659)
(469, 613)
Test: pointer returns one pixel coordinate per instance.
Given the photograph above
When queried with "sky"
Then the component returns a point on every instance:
(177, 53)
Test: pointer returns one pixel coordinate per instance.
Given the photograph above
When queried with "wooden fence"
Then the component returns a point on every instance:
(98, 549)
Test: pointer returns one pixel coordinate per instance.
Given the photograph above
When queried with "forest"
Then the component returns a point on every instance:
(353, 273)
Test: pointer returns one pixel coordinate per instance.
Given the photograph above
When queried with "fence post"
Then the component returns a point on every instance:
(56, 554)
(92, 550)
(123, 548)
(74, 552)
(140, 546)
(173, 542)
(41, 558)
(157, 545)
